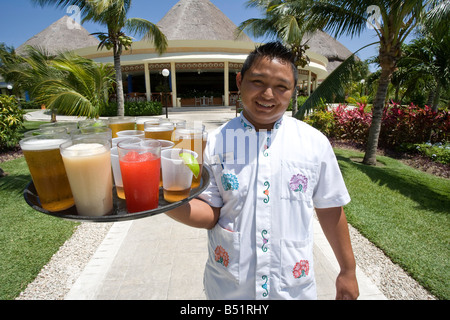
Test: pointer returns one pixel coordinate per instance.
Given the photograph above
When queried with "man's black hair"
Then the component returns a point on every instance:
(271, 50)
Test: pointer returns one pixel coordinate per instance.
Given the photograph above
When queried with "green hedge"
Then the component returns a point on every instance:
(138, 108)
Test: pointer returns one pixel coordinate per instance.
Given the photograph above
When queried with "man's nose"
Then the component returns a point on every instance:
(268, 92)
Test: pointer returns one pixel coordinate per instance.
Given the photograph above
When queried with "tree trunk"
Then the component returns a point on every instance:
(437, 96)
(294, 102)
(375, 127)
(119, 85)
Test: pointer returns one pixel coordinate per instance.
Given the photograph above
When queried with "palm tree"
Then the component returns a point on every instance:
(430, 56)
(66, 82)
(394, 21)
(113, 15)
(284, 21)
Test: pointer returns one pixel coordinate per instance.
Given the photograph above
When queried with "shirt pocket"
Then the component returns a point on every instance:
(223, 252)
(298, 180)
(296, 264)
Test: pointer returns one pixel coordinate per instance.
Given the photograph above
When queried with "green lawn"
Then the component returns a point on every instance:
(405, 212)
(28, 238)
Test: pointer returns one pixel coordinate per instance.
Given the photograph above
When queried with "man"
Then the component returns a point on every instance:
(270, 173)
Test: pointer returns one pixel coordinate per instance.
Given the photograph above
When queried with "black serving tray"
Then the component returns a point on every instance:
(120, 208)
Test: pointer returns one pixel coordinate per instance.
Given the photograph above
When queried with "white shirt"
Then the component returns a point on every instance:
(267, 184)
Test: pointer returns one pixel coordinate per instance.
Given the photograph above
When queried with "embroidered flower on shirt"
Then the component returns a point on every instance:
(301, 269)
(298, 183)
(221, 256)
(229, 182)
(266, 192)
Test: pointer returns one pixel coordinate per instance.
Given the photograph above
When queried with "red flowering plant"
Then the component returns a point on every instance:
(401, 125)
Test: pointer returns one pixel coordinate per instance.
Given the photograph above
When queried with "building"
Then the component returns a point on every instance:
(203, 56)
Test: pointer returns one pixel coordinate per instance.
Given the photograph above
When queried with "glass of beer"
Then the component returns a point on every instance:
(177, 177)
(140, 122)
(47, 170)
(192, 136)
(176, 122)
(88, 165)
(120, 123)
(92, 123)
(131, 133)
(102, 132)
(49, 130)
(70, 126)
(140, 168)
(158, 132)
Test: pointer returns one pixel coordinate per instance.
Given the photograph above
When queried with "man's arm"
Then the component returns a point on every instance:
(196, 213)
(334, 226)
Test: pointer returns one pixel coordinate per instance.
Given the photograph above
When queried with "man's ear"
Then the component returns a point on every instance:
(238, 80)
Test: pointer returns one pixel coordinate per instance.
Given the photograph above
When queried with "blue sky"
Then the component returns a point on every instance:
(21, 19)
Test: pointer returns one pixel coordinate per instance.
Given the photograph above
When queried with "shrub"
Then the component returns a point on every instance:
(352, 123)
(412, 124)
(324, 122)
(137, 108)
(439, 152)
(401, 125)
(11, 122)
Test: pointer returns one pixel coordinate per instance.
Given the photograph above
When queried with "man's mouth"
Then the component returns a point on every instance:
(265, 105)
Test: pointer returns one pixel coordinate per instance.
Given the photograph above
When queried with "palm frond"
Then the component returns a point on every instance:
(148, 30)
(331, 86)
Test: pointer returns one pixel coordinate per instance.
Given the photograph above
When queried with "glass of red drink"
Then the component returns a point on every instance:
(140, 164)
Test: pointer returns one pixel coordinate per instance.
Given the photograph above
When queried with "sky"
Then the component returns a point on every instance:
(22, 19)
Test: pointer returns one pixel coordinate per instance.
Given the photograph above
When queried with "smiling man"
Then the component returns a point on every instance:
(270, 173)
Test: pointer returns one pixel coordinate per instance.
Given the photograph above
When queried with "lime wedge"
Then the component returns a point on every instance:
(191, 162)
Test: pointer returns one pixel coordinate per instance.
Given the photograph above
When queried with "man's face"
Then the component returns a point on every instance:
(266, 91)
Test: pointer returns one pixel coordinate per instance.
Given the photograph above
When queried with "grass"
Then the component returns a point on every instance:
(28, 238)
(405, 212)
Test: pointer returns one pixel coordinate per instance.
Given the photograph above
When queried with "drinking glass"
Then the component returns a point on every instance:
(120, 123)
(88, 165)
(177, 177)
(47, 170)
(140, 168)
(158, 132)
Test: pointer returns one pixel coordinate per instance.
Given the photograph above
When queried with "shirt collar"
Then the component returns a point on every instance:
(248, 126)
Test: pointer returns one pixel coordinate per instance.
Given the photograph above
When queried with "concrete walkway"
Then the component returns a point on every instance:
(159, 258)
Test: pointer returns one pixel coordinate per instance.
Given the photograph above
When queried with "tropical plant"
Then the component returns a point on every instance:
(284, 20)
(392, 22)
(65, 82)
(113, 15)
(11, 122)
(429, 57)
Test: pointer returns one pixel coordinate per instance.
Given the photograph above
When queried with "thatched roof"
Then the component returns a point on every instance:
(197, 20)
(62, 35)
(324, 44)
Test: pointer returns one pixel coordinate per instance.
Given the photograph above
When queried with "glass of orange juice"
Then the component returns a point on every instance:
(120, 123)
(140, 165)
